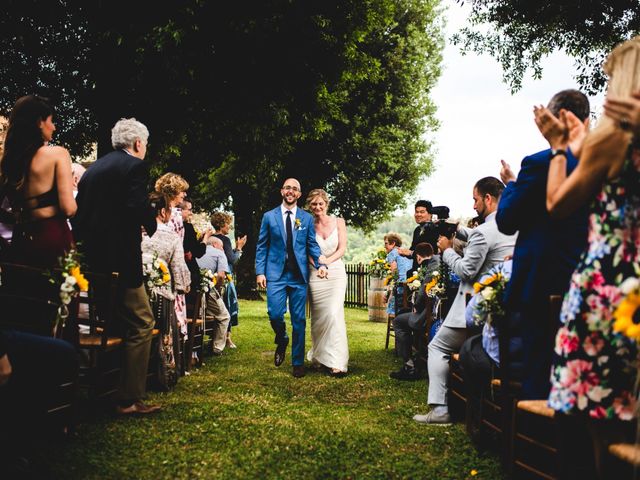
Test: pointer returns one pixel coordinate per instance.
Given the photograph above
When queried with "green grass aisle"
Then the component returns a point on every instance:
(240, 417)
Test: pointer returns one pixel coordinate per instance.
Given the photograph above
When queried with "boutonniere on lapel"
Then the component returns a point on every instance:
(298, 224)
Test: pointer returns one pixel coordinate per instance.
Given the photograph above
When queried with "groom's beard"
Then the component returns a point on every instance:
(289, 203)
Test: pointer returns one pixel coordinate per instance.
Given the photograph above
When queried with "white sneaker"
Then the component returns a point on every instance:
(431, 418)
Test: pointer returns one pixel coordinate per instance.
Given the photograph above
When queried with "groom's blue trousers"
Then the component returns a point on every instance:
(289, 286)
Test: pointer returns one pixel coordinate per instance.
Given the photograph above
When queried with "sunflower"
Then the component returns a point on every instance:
(83, 283)
(627, 317)
(431, 284)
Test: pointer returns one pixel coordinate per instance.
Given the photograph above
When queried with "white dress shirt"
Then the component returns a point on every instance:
(284, 211)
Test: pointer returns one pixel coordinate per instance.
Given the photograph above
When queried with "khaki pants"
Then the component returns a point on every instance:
(217, 313)
(136, 317)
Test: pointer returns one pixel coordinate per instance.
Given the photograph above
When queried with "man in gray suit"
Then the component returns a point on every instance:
(486, 247)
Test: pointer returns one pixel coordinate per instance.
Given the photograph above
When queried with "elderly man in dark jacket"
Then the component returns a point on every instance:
(110, 239)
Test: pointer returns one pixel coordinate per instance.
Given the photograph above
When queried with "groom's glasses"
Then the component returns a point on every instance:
(289, 187)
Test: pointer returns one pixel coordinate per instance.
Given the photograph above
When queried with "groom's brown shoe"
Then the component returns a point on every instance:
(281, 350)
(298, 371)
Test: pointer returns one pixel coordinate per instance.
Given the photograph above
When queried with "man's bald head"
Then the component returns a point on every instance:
(290, 192)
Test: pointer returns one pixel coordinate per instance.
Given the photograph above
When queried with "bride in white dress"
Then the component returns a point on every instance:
(328, 330)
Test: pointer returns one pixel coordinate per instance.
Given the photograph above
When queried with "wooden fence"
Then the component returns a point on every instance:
(357, 285)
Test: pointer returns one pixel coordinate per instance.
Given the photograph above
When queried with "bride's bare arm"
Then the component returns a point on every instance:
(342, 242)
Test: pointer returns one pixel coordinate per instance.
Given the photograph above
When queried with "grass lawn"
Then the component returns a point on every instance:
(240, 417)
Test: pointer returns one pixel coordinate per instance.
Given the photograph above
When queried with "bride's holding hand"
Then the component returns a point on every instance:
(328, 329)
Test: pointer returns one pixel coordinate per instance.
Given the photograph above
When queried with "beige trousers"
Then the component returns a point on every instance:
(137, 320)
(217, 313)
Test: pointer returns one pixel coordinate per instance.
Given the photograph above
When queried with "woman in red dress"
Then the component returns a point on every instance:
(36, 178)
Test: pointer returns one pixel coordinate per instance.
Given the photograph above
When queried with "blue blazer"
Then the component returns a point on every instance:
(271, 250)
(547, 250)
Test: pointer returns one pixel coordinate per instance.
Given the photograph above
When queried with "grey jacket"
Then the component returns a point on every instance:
(486, 247)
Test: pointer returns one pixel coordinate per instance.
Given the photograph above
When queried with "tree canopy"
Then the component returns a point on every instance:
(519, 33)
(241, 95)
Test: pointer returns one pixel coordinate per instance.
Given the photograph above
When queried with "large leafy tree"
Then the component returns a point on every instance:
(519, 33)
(239, 97)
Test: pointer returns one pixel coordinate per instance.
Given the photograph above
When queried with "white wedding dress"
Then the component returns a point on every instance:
(328, 331)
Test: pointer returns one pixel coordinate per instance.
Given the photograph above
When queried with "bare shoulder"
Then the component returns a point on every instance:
(55, 152)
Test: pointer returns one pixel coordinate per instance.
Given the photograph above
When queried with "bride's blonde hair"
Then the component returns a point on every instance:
(317, 192)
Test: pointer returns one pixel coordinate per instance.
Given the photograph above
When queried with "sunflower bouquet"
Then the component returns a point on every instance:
(378, 266)
(490, 305)
(155, 272)
(627, 314)
(72, 282)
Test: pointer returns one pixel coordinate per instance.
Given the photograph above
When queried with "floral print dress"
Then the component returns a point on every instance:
(594, 368)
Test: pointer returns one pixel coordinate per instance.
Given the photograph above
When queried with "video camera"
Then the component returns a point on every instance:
(441, 226)
(441, 212)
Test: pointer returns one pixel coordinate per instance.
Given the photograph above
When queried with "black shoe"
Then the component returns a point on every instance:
(281, 350)
(405, 374)
(298, 371)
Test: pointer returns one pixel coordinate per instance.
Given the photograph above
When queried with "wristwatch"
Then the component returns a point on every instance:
(555, 152)
(322, 265)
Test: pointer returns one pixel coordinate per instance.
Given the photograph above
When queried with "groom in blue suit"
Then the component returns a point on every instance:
(287, 239)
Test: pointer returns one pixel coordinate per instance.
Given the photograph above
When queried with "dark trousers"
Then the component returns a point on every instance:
(39, 366)
(478, 370)
(405, 337)
(537, 349)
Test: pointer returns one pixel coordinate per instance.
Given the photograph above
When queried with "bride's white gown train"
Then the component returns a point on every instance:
(328, 331)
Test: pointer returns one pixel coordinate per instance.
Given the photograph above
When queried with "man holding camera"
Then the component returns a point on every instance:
(486, 247)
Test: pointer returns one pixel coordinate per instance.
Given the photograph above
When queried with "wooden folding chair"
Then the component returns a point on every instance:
(195, 334)
(100, 338)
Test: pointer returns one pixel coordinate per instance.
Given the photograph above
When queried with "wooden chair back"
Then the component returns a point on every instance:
(101, 328)
(28, 300)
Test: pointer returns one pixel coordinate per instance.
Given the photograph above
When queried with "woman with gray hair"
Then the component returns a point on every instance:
(222, 221)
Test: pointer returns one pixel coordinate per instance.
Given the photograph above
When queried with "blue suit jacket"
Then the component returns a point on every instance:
(547, 249)
(271, 250)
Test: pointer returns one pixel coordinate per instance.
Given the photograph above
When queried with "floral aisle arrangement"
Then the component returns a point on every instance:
(73, 282)
(155, 272)
(378, 266)
(207, 280)
(491, 303)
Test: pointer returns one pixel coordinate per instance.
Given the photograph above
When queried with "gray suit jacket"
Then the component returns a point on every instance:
(486, 247)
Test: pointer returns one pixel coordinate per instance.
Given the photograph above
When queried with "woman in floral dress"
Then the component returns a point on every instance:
(174, 188)
(166, 246)
(594, 367)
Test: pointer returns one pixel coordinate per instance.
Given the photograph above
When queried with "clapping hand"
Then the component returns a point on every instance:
(506, 174)
(624, 111)
(555, 130)
(240, 242)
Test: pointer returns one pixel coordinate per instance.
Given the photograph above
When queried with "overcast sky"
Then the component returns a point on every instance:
(481, 122)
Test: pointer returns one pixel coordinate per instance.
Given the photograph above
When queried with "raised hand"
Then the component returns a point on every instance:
(240, 242)
(506, 174)
(555, 130)
(625, 111)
